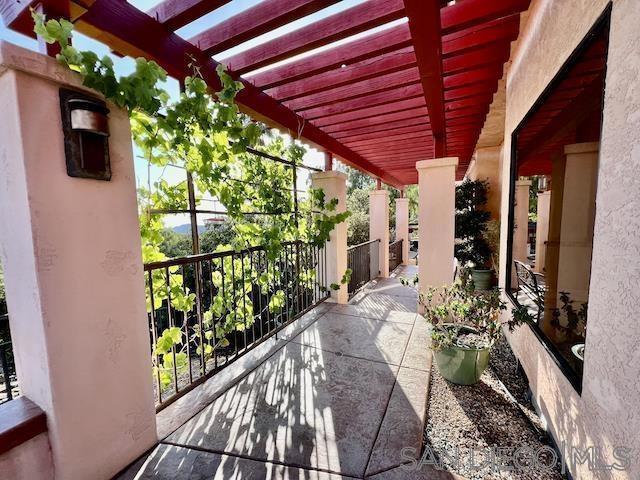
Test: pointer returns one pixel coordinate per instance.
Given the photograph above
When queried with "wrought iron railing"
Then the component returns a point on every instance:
(8, 379)
(240, 299)
(363, 260)
(395, 255)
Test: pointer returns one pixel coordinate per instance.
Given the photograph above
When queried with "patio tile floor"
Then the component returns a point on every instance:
(340, 399)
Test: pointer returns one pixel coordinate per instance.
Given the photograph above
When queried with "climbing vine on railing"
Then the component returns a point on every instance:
(209, 137)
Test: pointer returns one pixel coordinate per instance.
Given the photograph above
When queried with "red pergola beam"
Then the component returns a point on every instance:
(371, 67)
(370, 112)
(262, 18)
(424, 134)
(336, 27)
(473, 12)
(175, 14)
(379, 119)
(353, 90)
(370, 46)
(378, 128)
(421, 127)
(424, 23)
(380, 98)
(127, 30)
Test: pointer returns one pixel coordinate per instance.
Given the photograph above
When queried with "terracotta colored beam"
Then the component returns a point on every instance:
(262, 18)
(370, 112)
(175, 14)
(491, 55)
(493, 33)
(379, 98)
(420, 112)
(131, 32)
(369, 68)
(397, 147)
(368, 47)
(336, 27)
(460, 93)
(424, 23)
(356, 89)
(481, 99)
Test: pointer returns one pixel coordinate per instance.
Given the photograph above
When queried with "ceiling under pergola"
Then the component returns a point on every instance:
(417, 90)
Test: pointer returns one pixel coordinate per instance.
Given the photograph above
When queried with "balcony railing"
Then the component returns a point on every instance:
(235, 300)
(363, 260)
(8, 379)
(395, 254)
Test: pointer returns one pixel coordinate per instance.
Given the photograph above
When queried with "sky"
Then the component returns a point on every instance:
(124, 66)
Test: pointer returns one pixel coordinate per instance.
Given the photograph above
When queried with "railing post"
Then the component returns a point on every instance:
(334, 185)
(402, 227)
(436, 218)
(74, 277)
(379, 227)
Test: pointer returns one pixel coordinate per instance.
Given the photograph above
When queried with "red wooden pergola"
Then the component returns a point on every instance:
(418, 90)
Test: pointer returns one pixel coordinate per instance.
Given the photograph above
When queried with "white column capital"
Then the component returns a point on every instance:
(402, 200)
(578, 148)
(523, 183)
(437, 163)
(379, 192)
(329, 174)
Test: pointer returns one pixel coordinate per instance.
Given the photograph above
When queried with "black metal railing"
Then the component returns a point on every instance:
(395, 255)
(8, 379)
(363, 260)
(206, 311)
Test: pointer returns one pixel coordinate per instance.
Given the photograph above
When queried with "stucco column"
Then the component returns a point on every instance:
(73, 270)
(521, 226)
(542, 229)
(379, 227)
(402, 227)
(578, 216)
(436, 221)
(334, 185)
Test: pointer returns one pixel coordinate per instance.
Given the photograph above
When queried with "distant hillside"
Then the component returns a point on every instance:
(186, 228)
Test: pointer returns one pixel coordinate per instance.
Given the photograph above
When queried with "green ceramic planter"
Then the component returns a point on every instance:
(482, 278)
(462, 366)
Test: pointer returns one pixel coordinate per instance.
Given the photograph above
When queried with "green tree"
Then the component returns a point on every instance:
(216, 235)
(471, 224)
(358, 222)
(175, 244)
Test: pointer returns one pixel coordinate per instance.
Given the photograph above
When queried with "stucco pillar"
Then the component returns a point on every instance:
(436, 221)
(402, 227)
(521, 226)
(74, 278)
(578, 216)
(542, 229)
(379, 227)
(334, 185)
(487, 166)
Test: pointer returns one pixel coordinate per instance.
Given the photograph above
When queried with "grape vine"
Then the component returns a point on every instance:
(206, 134)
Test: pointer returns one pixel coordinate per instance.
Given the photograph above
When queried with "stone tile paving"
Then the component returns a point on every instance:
(339, 400)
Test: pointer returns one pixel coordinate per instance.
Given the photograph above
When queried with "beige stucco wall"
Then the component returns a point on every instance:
(487, 166)
(606, 413)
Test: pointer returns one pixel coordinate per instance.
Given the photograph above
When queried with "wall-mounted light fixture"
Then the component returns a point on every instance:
(85, 124)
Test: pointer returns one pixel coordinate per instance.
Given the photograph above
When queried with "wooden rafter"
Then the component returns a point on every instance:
(424, 23)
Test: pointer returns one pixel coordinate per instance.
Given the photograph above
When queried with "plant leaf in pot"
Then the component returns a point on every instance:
(466, 323)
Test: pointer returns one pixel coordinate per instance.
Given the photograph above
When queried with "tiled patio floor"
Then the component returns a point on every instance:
(339, 397)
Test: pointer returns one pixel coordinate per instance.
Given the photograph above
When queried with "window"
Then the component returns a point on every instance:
(553, 198)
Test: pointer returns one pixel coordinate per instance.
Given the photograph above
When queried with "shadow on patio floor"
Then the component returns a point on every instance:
(339, 400)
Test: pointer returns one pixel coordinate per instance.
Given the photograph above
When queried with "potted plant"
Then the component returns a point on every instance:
(571, 323)
(466, 324)
(472, 248)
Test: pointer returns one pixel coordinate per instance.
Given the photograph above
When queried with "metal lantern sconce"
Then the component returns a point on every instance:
(85, 124)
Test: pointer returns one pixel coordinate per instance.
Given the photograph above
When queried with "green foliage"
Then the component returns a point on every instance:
(451, 306)
(471, 223)
(206, 134)
(358, 223)
(175, 244)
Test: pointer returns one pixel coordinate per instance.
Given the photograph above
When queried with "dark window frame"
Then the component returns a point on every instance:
(602, 25)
